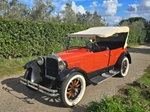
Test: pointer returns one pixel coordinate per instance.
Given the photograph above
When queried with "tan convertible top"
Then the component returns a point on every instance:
(100, 32)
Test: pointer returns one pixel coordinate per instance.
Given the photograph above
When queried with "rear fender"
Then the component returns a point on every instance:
(35, 72)
(66, 73)
(119, 61)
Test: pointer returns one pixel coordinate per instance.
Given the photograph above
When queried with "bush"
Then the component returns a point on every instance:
(30, 38)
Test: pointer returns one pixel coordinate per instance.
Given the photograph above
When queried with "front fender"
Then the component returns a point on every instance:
(29, 64)
(66, 73)
(35, 73)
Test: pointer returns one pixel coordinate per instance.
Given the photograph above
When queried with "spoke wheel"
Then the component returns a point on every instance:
(72, 89)
(124, 67)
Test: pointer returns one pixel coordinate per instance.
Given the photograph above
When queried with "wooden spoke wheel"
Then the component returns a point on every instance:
(72, 89)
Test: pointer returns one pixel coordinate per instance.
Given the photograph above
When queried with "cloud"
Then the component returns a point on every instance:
(142, 9)
(144, 6)
(112, 20)
(77, 9)
(111, 7)
(94, 4)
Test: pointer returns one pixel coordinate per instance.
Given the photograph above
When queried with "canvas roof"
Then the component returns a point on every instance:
(100, 32)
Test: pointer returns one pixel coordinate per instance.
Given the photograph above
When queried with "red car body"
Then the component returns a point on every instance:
(90, 61)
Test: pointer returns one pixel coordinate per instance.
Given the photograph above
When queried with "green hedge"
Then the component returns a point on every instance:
(29, 38)
(137, 36)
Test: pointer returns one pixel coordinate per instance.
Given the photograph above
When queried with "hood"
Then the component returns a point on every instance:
(73, 56)
(73, 53)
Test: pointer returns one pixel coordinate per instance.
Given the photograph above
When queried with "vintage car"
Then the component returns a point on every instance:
(66, 74)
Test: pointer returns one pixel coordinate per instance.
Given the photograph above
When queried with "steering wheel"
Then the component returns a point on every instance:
(89, 45)
(96, 45)
(93, 46)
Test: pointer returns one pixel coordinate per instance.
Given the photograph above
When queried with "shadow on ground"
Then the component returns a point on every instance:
(13, 87)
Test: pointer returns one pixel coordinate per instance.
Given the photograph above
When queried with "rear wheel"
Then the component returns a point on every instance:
(124, 67)
(72, 89)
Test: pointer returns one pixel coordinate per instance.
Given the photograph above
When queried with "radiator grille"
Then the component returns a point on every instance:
(51, 67)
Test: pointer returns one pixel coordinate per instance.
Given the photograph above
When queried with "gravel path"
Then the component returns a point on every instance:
(15, 97)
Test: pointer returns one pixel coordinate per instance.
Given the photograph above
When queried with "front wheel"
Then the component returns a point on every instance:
(124, 67)
(72, 89)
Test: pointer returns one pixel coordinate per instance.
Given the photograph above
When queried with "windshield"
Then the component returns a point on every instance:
(77, 42)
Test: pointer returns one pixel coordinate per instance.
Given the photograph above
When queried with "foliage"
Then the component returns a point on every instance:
(138, 32)
(134, 98)
(132, 20)
(68, 14)
(13, 9)
(29, 38)
(42, 11)
(90, 19)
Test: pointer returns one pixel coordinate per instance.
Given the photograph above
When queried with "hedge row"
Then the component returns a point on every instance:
(137, 36)
(28, 38)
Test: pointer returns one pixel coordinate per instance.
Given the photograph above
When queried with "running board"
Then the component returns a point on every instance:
(100, 78)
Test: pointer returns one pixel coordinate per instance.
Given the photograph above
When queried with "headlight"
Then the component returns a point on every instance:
(40, 60)
(62, 65)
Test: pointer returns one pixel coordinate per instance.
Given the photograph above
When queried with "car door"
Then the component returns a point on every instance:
(101, 59)
(114, 55)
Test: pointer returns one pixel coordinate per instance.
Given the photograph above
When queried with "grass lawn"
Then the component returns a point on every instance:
(133, 98)
(8, 67)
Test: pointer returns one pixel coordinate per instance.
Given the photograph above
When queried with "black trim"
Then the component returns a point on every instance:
(29, 64)
(66, 73)
(88, 76)
(99, 72)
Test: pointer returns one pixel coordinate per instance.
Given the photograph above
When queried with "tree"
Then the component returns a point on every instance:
(56, 18)
(79, 17)
(87, 17)
(90, 19)
(41, 10)
(3, 7)
(96, 20)
(132, 19)
(137, 29)
(68, 14)
(12, 9)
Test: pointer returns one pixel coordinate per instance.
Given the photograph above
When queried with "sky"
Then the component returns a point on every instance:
(113, 11)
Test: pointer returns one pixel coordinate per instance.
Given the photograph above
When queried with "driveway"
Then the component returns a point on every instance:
(15, 97)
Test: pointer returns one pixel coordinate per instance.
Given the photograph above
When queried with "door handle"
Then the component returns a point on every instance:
(106, 54)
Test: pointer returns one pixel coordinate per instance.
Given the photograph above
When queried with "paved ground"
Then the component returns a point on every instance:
(15, 97)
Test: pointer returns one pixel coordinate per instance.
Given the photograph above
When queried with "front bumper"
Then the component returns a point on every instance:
(40, 88)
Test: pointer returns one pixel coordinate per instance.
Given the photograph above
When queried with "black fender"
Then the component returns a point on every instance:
(66, 73)
(35, 71)
(119, 61)
(29, 64)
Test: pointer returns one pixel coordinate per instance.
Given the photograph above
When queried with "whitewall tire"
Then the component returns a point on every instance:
(124, 67)
(73, 89)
